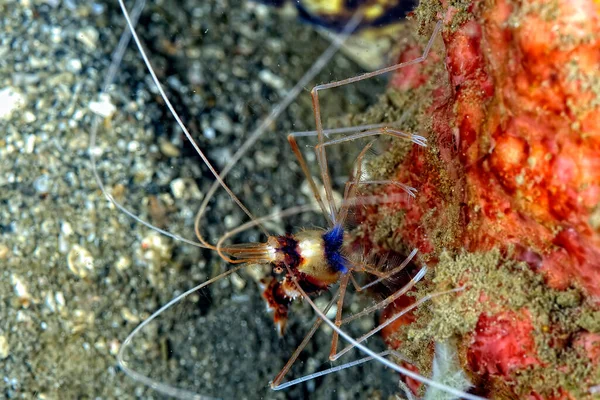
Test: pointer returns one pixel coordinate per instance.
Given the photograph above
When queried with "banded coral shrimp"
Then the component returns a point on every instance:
(319, 267)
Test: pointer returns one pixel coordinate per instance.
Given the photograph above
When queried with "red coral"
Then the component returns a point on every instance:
(501, 344)
(589, 344)
(518, 133)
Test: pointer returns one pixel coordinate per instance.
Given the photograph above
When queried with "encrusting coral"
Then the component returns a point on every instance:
(509, 194)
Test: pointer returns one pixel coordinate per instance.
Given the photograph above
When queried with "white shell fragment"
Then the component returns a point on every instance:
(88, 36)
(271, 79)
(103, 107)
(155, 251)
(80, 261)
(4, 347)
(10, 100)
(185, 188)
(4, 250)
(21, 290)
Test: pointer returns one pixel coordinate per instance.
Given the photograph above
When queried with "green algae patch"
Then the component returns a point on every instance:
(384, 234)
(557, 318)
(443, 221)
(590, 321)
(548, 11)
(573, 373)
(396, 107)
(428, 12)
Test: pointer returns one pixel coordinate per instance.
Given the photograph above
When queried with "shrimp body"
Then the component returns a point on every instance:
(315, 259)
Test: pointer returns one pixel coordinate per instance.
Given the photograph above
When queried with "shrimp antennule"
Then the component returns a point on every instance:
(256, 253)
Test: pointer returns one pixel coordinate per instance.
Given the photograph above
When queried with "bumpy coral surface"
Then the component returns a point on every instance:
(509, 194)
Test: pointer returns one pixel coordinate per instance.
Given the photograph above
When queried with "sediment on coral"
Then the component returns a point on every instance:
(509, 190)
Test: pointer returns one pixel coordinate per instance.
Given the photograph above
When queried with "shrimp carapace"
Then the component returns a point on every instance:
(315, 259)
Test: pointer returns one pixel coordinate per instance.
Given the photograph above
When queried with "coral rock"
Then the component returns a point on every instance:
(513, 166)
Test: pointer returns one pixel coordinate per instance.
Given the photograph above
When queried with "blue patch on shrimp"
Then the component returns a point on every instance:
(333, 240)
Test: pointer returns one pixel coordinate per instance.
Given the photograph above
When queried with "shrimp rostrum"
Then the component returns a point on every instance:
(311, 261)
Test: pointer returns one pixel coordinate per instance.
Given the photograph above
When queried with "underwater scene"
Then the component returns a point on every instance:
(307, 199)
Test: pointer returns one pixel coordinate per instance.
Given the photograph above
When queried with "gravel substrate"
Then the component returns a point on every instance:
(77, 274)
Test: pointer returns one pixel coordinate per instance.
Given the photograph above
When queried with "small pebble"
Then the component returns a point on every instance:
(89, 37)
(82, 320)
(10, 100)
(223, 124)
(114, 346)
(237, 281)
(4, 347)
(21, 291)
(266, 159)
(52, 3)
(4, 250)
(123, 263)
(261, 11)
(185, 188)
(55, 35)
(29, 117)
(60, 301)
(129, 316)
(231, 222)
(209, 133)
(221, 155)
(74, 65)
(98, 8)
(168, 149)
(80, 261)
(103, 107)
(50, 303)
(42, 184)
(271, 79)
(29, 144)
(66, 228)
(133, 146)
(156, 248)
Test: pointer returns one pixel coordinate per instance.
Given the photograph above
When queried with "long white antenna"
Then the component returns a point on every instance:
(256, 134)
(117, 57)
(176, 116)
